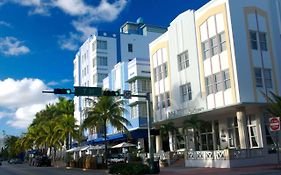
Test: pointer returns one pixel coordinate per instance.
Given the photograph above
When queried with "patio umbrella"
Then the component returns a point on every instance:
(73, 149)
(123, 145)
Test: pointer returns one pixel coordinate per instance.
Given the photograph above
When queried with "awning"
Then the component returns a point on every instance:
(118, 136)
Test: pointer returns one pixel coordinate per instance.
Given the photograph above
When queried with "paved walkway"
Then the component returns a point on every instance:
(254, 170)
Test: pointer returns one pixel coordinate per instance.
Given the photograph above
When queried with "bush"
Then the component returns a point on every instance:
(129, 169)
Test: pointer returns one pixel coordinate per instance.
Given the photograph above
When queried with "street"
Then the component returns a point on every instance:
(24, 169)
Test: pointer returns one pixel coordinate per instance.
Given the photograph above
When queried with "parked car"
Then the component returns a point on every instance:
(15, 161)
(41, 161)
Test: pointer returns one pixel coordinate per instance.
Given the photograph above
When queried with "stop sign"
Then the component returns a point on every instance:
(274, 124)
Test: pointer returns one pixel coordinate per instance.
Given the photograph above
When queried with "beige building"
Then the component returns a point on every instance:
(216, 63)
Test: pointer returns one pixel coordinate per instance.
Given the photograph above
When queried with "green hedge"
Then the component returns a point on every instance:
(129, 169)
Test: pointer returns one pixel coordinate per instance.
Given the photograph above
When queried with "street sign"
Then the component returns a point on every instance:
(87, 91)
(274, 123)
(127, 94)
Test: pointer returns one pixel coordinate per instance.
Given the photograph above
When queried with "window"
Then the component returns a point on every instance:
(226, 79)
(142, 110)
(94, 79)
(101, 77)
(253, 38)
(157, 100)
(165, 70)
(262, 38)
(186, 93)
(94, 62)
(209, 85)
(267, 78)
(218, 82)
(206, 49)
(233, 133)
(101, 44)
(183, 60)
(206, 133)
(134, 111)
(144, 86)
(101, 60)
(155, 74)
(258, 75)
(222, 41)
(252, 130)
(130, 47)
(214, 46)
(133, 87)
(168, 99)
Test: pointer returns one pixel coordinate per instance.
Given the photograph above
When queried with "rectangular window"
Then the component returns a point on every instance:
(206, 49)
(94, 62)
(101, 77)
(165, 70)
(160, 72)
(262, 39)
(101, 44)
(157, 100)
(130, 47)
(209, 85)
(232, 131)
(253, 39)
(267, 78)
(222, 41)
(168, 99)
(186, 93)
(214, 46)
(144, 86)
(133, 87)
(183, 60)
(142, 110)
(218, 82)
(101, 60)
(258, 75)
(252, 130)
(226, 79)
(134, 111)
(162, 100)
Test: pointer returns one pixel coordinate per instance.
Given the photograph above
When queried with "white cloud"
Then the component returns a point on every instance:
(55, 83)
(5, 24)
(69, 43)
(85, 16)
(73, 7)
(23, 99)
(11, 46)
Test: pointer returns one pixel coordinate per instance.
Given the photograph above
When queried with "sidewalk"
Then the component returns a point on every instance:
(254, 170)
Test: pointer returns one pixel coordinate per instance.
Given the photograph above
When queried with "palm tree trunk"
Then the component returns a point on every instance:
(105, 144)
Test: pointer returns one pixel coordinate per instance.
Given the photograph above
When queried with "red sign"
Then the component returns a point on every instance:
(274, 123)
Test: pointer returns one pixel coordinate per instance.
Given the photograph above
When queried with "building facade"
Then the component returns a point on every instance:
(101, 52)
(218, 63)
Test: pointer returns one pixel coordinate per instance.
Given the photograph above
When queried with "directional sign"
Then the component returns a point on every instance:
(87, 91)
(274, 123)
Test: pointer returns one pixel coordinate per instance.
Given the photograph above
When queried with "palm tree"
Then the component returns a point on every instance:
(274, 104)
(107, 111)
(196, 124)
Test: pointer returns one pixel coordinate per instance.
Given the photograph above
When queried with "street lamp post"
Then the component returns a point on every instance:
(149, 123)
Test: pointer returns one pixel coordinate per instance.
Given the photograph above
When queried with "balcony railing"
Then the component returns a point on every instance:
(226, 154)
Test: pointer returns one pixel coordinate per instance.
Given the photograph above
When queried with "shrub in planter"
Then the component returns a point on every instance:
(129, 169)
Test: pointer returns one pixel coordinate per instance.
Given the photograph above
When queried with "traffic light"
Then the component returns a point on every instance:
(62, 91)
(127, 94)
(111, 93)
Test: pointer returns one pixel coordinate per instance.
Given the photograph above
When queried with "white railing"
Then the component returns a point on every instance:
(225, 154)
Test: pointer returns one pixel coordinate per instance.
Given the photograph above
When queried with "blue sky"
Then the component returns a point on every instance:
(39, 39)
